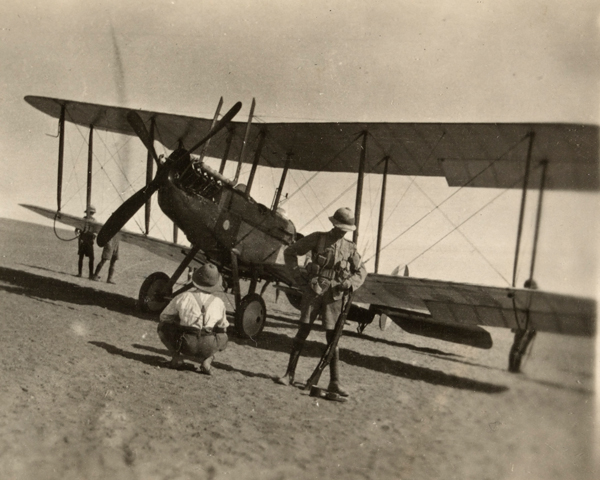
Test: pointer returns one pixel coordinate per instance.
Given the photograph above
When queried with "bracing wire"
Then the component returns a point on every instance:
(437, 207)
(457, 228)
(348, 145)
(316, 215)
(329, 204)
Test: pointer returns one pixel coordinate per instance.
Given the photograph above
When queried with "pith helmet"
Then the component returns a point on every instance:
(343, 218)
(207, 278)
(91, 209)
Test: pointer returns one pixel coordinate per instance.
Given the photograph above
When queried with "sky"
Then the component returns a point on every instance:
(392, 60)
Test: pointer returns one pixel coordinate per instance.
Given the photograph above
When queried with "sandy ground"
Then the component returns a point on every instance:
(82, 395)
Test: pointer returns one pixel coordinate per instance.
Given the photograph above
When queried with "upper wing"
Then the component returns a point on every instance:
(466, 154)
(462, 304)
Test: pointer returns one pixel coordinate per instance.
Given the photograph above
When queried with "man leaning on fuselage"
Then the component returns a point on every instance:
(335, 267)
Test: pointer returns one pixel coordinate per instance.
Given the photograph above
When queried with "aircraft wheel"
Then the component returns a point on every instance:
(153, 292)
(251, 316)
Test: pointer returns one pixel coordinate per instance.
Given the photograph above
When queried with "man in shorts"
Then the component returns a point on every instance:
(335, 267)
(86, 243)
(109, 253)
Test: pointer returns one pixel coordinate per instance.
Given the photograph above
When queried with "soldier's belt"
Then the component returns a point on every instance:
(328, 273)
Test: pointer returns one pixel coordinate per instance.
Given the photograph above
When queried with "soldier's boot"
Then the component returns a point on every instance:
(334, 376)
(96, 275)
(111, 272)
(205, 367)
(80, 266)
(288, 377)
(91, 267)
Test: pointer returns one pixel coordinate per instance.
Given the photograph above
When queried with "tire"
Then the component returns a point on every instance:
(152, 292)
(251, 316)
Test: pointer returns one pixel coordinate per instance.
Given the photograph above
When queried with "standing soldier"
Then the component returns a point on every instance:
(110, 252)
(86, 242)
(335, 267)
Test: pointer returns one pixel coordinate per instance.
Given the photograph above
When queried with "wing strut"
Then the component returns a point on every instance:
(386, 159)
(524, 335)
(530, 282)
(359, 186)
(281, 182)
(149, 173)
(523, 201)
(212, 125)
(230, 135)
(88, 198)
(246, 136)
(61, 154)
(175, 232)
(259, 147)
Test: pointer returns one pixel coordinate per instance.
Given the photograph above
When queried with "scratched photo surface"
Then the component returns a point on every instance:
(83, 391)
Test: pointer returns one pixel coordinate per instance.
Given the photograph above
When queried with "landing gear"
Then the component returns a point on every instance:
(523, 338)
(153, 292)
(361, 327)
(250, 316)
(250, 311)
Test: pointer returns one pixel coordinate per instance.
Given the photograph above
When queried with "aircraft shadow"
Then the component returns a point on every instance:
(314, 349)
(471, 364)
(282, 343)
(407, 346)
(364, 336)
(45, 288)
(37, 267)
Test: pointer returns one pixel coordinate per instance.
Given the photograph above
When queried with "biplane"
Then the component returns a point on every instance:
(246, 239)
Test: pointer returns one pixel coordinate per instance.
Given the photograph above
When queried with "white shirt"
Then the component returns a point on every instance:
(196, 309)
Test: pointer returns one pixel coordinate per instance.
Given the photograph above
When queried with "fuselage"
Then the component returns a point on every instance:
(218, 217)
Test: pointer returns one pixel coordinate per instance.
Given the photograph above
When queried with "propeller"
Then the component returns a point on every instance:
(139, 127)
(128, 209)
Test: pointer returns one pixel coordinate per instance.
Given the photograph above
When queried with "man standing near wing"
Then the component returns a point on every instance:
(109, 253)
(335, 267)
(86, 237)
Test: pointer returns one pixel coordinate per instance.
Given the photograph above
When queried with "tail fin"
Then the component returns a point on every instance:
(396, 271)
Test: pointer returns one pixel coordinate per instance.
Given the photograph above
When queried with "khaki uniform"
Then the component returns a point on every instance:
(335, 266)
(111, 249)
(86, 246)
(109, 253)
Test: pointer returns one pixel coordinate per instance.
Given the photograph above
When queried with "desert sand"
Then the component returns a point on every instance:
(83, 395)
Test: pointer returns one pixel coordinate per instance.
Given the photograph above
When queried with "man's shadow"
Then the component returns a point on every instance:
(160, 361)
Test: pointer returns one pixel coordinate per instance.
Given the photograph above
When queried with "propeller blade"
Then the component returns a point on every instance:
(218, 126)
(139, 128)
(127, 210)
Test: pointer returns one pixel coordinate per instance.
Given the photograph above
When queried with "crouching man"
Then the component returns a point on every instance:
(194, 324)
